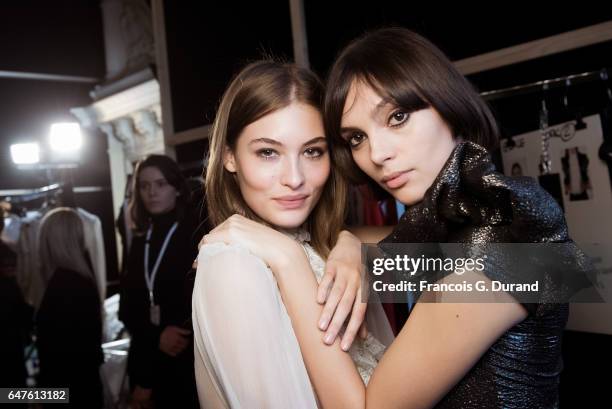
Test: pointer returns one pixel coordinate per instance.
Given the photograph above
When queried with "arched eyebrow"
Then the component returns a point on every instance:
(265, 140)
(383, 104)
(277, 143)
(316, 140)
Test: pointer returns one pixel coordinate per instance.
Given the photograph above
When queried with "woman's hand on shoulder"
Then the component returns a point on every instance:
(340, 291)
(272, 246)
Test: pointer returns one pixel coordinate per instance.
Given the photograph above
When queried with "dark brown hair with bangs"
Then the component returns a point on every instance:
(412, 73)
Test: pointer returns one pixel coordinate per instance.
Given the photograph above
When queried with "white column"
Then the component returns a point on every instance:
(118, 173)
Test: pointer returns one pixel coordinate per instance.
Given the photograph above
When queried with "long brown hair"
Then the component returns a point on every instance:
(412, 73)
(170, 169)
(259, 89)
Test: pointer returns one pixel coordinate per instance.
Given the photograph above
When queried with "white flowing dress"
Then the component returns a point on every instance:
(246, 352)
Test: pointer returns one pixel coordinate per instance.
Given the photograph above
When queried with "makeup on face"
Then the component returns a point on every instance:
(402, 151)
(282, 163)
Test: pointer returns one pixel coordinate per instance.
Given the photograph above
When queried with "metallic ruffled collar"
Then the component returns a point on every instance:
(470, 194)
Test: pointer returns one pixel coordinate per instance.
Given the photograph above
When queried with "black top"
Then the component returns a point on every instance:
(69, 337)
(149, 367)
(469, 202)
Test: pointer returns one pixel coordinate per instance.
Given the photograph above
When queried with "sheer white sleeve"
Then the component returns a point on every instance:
(246, 353)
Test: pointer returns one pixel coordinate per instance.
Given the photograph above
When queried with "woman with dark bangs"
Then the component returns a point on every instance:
(398, 109)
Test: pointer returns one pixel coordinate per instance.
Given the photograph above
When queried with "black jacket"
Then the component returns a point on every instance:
(69, 337)
(149, 367)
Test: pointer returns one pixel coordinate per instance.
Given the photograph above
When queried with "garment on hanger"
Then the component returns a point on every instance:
(574, 170)
(11, 231)
(29, 275)
(575, 167)
(22, 236)
(94, 243)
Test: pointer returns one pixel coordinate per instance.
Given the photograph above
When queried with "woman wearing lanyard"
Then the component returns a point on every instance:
(155, 294)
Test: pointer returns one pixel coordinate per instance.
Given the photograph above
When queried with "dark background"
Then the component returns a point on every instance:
(208, 41)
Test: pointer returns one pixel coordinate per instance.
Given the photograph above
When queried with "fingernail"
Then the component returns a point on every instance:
(323, 323)
(344, 346)
(329, 338)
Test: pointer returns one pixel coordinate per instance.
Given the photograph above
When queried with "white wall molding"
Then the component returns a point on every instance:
(543, 47)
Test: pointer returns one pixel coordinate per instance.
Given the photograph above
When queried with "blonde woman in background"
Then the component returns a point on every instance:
(69, 321)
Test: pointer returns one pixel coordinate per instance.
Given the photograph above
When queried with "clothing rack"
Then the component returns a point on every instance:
(545, 85)
(28, 195)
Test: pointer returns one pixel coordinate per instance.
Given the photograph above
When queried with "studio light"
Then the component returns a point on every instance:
(65, 137)
(25, 153)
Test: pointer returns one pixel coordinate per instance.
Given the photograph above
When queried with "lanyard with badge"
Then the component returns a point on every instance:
(154, 311)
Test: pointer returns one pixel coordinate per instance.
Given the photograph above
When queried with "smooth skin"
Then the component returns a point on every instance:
(285, 154)
(440, 342)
